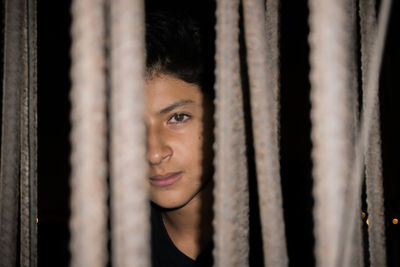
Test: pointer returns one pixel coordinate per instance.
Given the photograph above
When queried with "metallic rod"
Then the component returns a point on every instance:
(25, 154)
(33, 93)
(14, 82)
(28, 170)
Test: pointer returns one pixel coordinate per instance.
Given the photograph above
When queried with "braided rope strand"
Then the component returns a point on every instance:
(231, 207)
(373, 155)
(331, 117)
(88, 136)
(262, 61)
(129, 198)
(364, 137)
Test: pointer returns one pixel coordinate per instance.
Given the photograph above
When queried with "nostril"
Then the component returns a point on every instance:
(159, 155)
(152, 163)
(154, 158)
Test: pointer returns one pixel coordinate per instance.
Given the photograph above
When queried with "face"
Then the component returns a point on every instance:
(178, 119)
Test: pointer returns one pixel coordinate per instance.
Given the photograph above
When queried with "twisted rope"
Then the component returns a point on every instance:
(129, 201)
(364, 137)
(231, 206)
(357, 252)
(88, 136)
(373, 159)
(262, 61)
(331, 117)
(272, 32)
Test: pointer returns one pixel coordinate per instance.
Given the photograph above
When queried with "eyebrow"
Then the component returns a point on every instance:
(176, 105)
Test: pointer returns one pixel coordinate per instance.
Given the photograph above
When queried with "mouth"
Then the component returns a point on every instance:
(165, 179)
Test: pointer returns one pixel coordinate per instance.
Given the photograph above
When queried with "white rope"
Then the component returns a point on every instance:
(231, 191)
(129, 197)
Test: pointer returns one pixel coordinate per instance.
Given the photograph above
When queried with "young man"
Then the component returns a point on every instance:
(179, 119)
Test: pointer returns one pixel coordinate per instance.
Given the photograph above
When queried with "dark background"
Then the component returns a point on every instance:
(53, 77)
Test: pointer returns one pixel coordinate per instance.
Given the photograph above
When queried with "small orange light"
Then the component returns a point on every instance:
(395, 221)
(367, 221)
(363, 215)
(37, 220)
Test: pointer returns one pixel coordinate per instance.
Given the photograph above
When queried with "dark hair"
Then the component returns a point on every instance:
(176, 45)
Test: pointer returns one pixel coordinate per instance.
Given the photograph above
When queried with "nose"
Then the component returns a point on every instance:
(157, 149)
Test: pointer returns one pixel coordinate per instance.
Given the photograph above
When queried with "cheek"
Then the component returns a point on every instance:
(188, 148)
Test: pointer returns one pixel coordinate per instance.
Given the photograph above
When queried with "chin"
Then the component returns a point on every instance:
(170, 202)
(168, 205)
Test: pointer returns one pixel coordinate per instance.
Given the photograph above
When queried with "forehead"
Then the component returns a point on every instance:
(163, 90)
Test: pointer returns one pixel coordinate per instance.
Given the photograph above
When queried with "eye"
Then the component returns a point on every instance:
(179, 118)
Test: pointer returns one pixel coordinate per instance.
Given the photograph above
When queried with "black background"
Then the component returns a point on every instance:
(53, 79)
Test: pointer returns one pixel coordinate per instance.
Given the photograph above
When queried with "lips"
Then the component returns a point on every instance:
(165, 179)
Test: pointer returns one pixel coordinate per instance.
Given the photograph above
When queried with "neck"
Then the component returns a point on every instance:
(190, 227)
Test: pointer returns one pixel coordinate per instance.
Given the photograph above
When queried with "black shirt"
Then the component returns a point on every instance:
(165, 254)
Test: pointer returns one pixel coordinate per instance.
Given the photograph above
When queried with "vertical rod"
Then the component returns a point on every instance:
(88, 136)
(28, 170)
(363, 140)
(356, 253)
(33, 156)
(130, 204)
(25, 155)
(331, 117)
(273, 64)
(353, 63)
(263, 70)
(373, 158)
(14, 82)
(231, 191)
